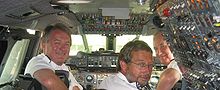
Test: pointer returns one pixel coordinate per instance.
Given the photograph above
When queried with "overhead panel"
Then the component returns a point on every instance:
(112, 16)
(95, 23)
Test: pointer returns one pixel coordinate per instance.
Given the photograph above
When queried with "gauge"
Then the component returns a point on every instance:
(89, 78)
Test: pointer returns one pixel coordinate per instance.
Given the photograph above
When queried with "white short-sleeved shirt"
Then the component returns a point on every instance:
(173, 64)
(117, 82)
(41, 62)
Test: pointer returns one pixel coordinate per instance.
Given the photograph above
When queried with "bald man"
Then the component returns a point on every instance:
(172, 74)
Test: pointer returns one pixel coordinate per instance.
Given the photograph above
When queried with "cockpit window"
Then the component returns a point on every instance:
(149, 41)
(122, 40)
(14, 61)
(77, 44)
(96, 41)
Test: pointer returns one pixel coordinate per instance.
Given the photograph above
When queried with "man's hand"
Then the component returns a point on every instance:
(76, 88)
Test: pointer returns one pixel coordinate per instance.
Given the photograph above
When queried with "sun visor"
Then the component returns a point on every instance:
(119, 13)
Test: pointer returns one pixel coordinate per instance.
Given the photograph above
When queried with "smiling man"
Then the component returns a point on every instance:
(134, 65)
(172, 74)
(55, 44)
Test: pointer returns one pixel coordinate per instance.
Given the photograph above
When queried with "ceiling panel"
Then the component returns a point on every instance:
(95, 6)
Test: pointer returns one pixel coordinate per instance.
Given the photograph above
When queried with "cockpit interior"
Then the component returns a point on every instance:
(100, 28)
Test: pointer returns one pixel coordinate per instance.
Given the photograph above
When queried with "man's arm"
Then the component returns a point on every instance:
(49, 79)
(168, 79)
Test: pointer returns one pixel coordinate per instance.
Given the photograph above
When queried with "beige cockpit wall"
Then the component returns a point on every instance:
(34, 14)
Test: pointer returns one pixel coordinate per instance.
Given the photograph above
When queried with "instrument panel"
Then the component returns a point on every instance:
(90, 69)
(192, 28)
(94, 60)
(91, 80)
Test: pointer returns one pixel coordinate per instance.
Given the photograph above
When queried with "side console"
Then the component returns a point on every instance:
(192, 28)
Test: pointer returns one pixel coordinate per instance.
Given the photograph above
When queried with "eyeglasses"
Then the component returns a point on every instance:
(143, 65)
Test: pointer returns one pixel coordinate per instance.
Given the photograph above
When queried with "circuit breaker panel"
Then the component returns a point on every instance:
(192, 28)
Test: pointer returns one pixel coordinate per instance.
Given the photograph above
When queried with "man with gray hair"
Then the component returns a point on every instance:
(173, 73)
(55, 44)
